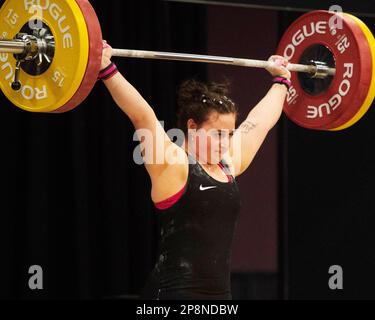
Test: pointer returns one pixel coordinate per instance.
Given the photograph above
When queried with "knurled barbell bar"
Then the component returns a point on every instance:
(316, 69)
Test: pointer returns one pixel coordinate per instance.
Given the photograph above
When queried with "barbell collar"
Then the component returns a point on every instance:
(12, 46)
(322, 70)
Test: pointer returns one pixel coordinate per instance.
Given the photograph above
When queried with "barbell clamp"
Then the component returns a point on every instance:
(322, 70)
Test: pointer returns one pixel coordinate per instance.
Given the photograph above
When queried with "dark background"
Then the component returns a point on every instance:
(74, 202)
(361, 7)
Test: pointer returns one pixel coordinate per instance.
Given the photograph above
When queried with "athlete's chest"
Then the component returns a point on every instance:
(204, 190)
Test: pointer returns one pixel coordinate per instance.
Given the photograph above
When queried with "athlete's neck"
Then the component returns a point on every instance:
(193, 153)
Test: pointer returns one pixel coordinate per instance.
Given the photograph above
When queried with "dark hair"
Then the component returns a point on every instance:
(197, 100)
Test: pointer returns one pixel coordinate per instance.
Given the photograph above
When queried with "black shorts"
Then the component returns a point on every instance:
(153, 291)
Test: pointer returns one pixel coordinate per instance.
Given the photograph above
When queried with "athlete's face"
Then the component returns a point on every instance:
(213, 137)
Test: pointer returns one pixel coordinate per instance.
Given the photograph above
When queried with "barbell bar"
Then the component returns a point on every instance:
(318, 70)
(240, 62)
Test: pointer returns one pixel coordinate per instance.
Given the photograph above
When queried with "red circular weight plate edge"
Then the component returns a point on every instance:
(327, 125)
(94, 60)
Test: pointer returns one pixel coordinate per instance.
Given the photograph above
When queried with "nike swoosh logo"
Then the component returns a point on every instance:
(201, 188)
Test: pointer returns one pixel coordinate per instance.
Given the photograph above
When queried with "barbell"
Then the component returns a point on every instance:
(50, 57)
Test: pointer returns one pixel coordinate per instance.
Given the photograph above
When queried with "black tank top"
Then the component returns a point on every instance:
(196, 237)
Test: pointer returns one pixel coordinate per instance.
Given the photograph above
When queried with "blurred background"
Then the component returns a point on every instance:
(73, 201)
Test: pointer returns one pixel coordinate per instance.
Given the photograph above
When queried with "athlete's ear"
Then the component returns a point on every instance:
(191, 125)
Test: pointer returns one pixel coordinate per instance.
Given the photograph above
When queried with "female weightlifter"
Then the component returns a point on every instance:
(194, 188)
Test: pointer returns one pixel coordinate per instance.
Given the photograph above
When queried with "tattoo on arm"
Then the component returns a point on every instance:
(247, 126)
